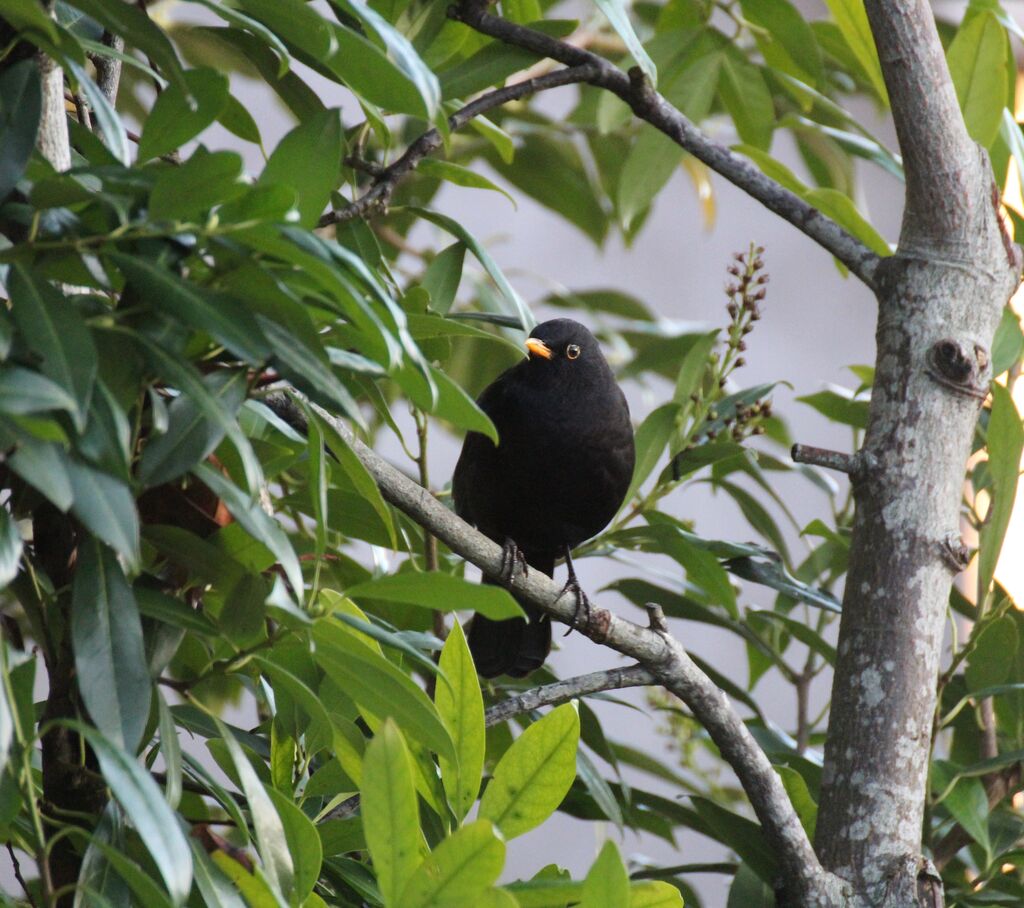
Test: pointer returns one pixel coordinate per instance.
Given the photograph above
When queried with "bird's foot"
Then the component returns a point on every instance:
(513, 562)
(572, 585)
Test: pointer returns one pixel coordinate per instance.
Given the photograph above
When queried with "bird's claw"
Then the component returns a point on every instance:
(572, 585)
(513, 562)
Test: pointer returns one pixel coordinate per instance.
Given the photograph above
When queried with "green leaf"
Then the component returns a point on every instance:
(29, 16)
(191, 435)
(1005, 444)
(204, 180)
(270, 836)
(442, 277)
(654, 156)
(143, 802)
(10, 548)
(838, 408)
(966, 801)
(747, 98)
(110, 657)
(461, 707)
(654, 894)
(107, 509)
(800, 797)
(458, 870)
(180, 113)
(1008, 346)
(401, 51)
(308, 370)
(455, 406)
(308, 161)
(379, 687)
(21, 106)
(534, 775)
(651, 439)
(438, 591)
(800, 631)
(994, 654)
(977, 59)
(515, 304)
(23, 392)
(108, 123)
(607, 882)
(256, 522)
(551, 170)
(460, 176)
(368, 71)
(789, 44)
(303, 844)
(390, 812)
(362, 482)
(840, 207)
(54, 330)
(221, 316)
(616, 12)
(743, 836)
(852, 20)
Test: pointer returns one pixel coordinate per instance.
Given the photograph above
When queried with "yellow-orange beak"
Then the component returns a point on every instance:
(538, 348)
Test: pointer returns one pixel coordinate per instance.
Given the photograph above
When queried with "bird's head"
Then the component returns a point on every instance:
(563, 345)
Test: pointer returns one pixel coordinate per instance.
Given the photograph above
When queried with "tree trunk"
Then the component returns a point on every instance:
(940, 298)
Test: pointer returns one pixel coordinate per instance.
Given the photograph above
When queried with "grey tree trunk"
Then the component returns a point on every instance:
(939, 302)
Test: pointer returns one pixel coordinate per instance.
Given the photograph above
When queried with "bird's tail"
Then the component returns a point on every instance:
(515, 646)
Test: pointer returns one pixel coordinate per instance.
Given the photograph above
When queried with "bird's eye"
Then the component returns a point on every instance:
(572, 351)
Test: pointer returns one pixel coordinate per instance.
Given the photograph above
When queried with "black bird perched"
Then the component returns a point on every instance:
(558, 475)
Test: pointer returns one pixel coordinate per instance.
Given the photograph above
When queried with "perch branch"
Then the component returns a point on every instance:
(804, 879)
(651, 107)
(388, 178)
(567, 689)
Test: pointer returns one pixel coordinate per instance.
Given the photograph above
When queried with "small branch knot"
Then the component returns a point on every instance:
(954, 368)
(642, 96)
(656, 618)
(954, 552)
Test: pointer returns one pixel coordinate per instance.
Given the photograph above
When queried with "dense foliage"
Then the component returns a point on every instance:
(169, 544)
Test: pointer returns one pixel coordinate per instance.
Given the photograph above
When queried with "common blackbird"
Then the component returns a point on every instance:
(557, 476)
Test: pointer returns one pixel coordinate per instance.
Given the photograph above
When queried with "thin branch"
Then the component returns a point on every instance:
(568, 689)
(805, 881)
(19, 877)
(108, 69)
(822, 457)
(385, 182)
(654, 109)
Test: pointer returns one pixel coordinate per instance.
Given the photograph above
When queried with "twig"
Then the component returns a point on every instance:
(654, 109)
(379, 195)
(805, 881)
(82, 110)
(567, 689)
(18, 876)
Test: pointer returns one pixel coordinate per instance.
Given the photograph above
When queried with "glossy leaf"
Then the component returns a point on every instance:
(461, 707)
(308, 161)
(977, 63)
(110, 657)
(55, 331)
(458, 870)
(534, 775)
(618, 17)
(390, 813)
(180, 113)
(1005, 445)
(143, 802)
(607, 882)
(442, 592)
(21, 105)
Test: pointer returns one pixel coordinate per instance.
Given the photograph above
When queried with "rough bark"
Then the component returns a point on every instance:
(940, 299)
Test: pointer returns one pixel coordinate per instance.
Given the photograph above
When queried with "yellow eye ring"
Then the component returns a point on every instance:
(573, 351)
